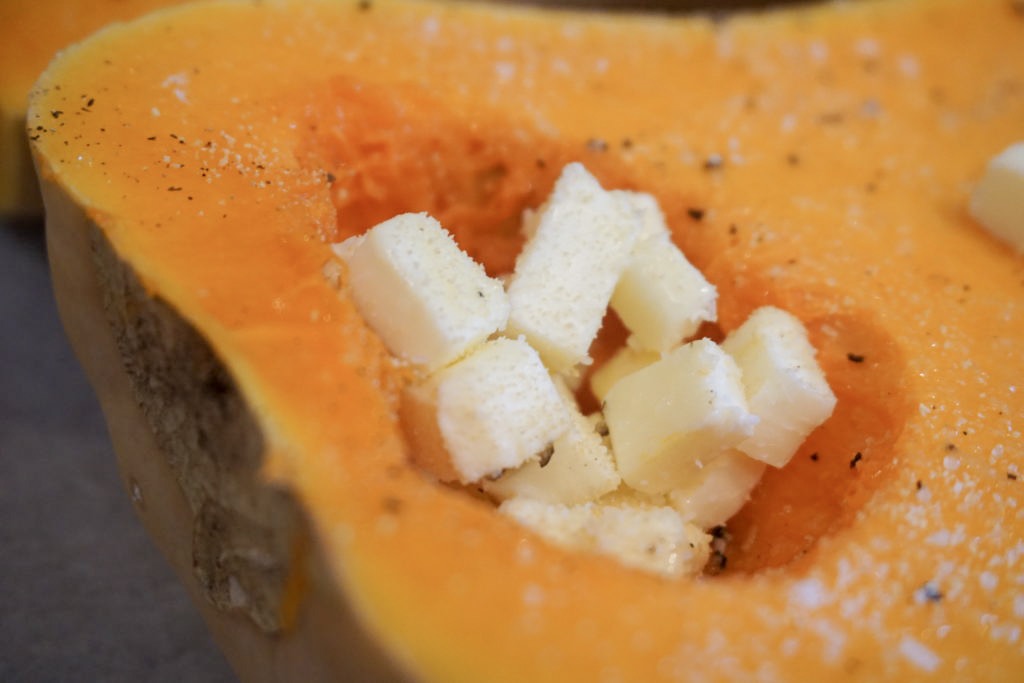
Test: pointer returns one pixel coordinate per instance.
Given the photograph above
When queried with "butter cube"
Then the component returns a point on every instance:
(566, 272)
(998, 199)
(625, 361)
(495, 409)
(428, 301)
(654, 539)
(675, 416)
(660, 297)
(579, 467)
(719, 490)
(783, 383)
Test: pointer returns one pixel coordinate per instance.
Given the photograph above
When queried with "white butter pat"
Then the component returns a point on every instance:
(784, 385)
(566, 272)
(661, 297)
(625, 361)
(719, 490)
(653, 539)
(495, 409)
(674, 417)
(578, 468)
(428, 300)
(998, 199)
(652, 219)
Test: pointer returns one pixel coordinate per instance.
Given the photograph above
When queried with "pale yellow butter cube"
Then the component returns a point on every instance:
(566, 272)
(652, 219)
(579, 467)
(718, 490)
(625, 361)
(495, 409)
(784, 385)
(998, 199)
(654, 539)
(660, 297)
(428, 301)
(675, 416)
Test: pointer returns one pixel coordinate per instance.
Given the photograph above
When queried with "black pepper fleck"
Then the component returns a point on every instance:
(855, 357)
(695, 214)
(719, 542)
(172, 188)
(814, 457)
(721, 560)
(545, 456)
(930, 592)
(713, 162)
(56, 113)
(858, 456)
(1012, 476)
(919, 484)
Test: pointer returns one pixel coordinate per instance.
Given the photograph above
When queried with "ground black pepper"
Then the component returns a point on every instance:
(545, 456)
(930, 592)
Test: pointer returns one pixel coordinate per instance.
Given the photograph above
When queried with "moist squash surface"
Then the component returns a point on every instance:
(31, 33)
(197, 162)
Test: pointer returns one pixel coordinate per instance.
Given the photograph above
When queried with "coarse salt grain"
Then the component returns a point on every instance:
(809, 593)
(919, 654)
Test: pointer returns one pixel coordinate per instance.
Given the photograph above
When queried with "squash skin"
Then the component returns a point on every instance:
(545, 592)
(83, 268)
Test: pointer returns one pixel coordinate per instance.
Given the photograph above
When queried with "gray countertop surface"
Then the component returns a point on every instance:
(84, 594)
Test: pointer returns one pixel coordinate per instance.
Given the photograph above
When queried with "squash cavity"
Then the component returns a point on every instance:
(387, 151)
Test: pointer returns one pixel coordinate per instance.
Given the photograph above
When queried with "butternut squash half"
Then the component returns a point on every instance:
(196, 163)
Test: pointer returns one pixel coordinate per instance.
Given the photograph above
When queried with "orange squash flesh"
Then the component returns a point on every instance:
(225, 145)
(31, 33)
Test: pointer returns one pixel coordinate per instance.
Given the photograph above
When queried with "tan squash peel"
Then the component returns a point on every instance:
(848, 138)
